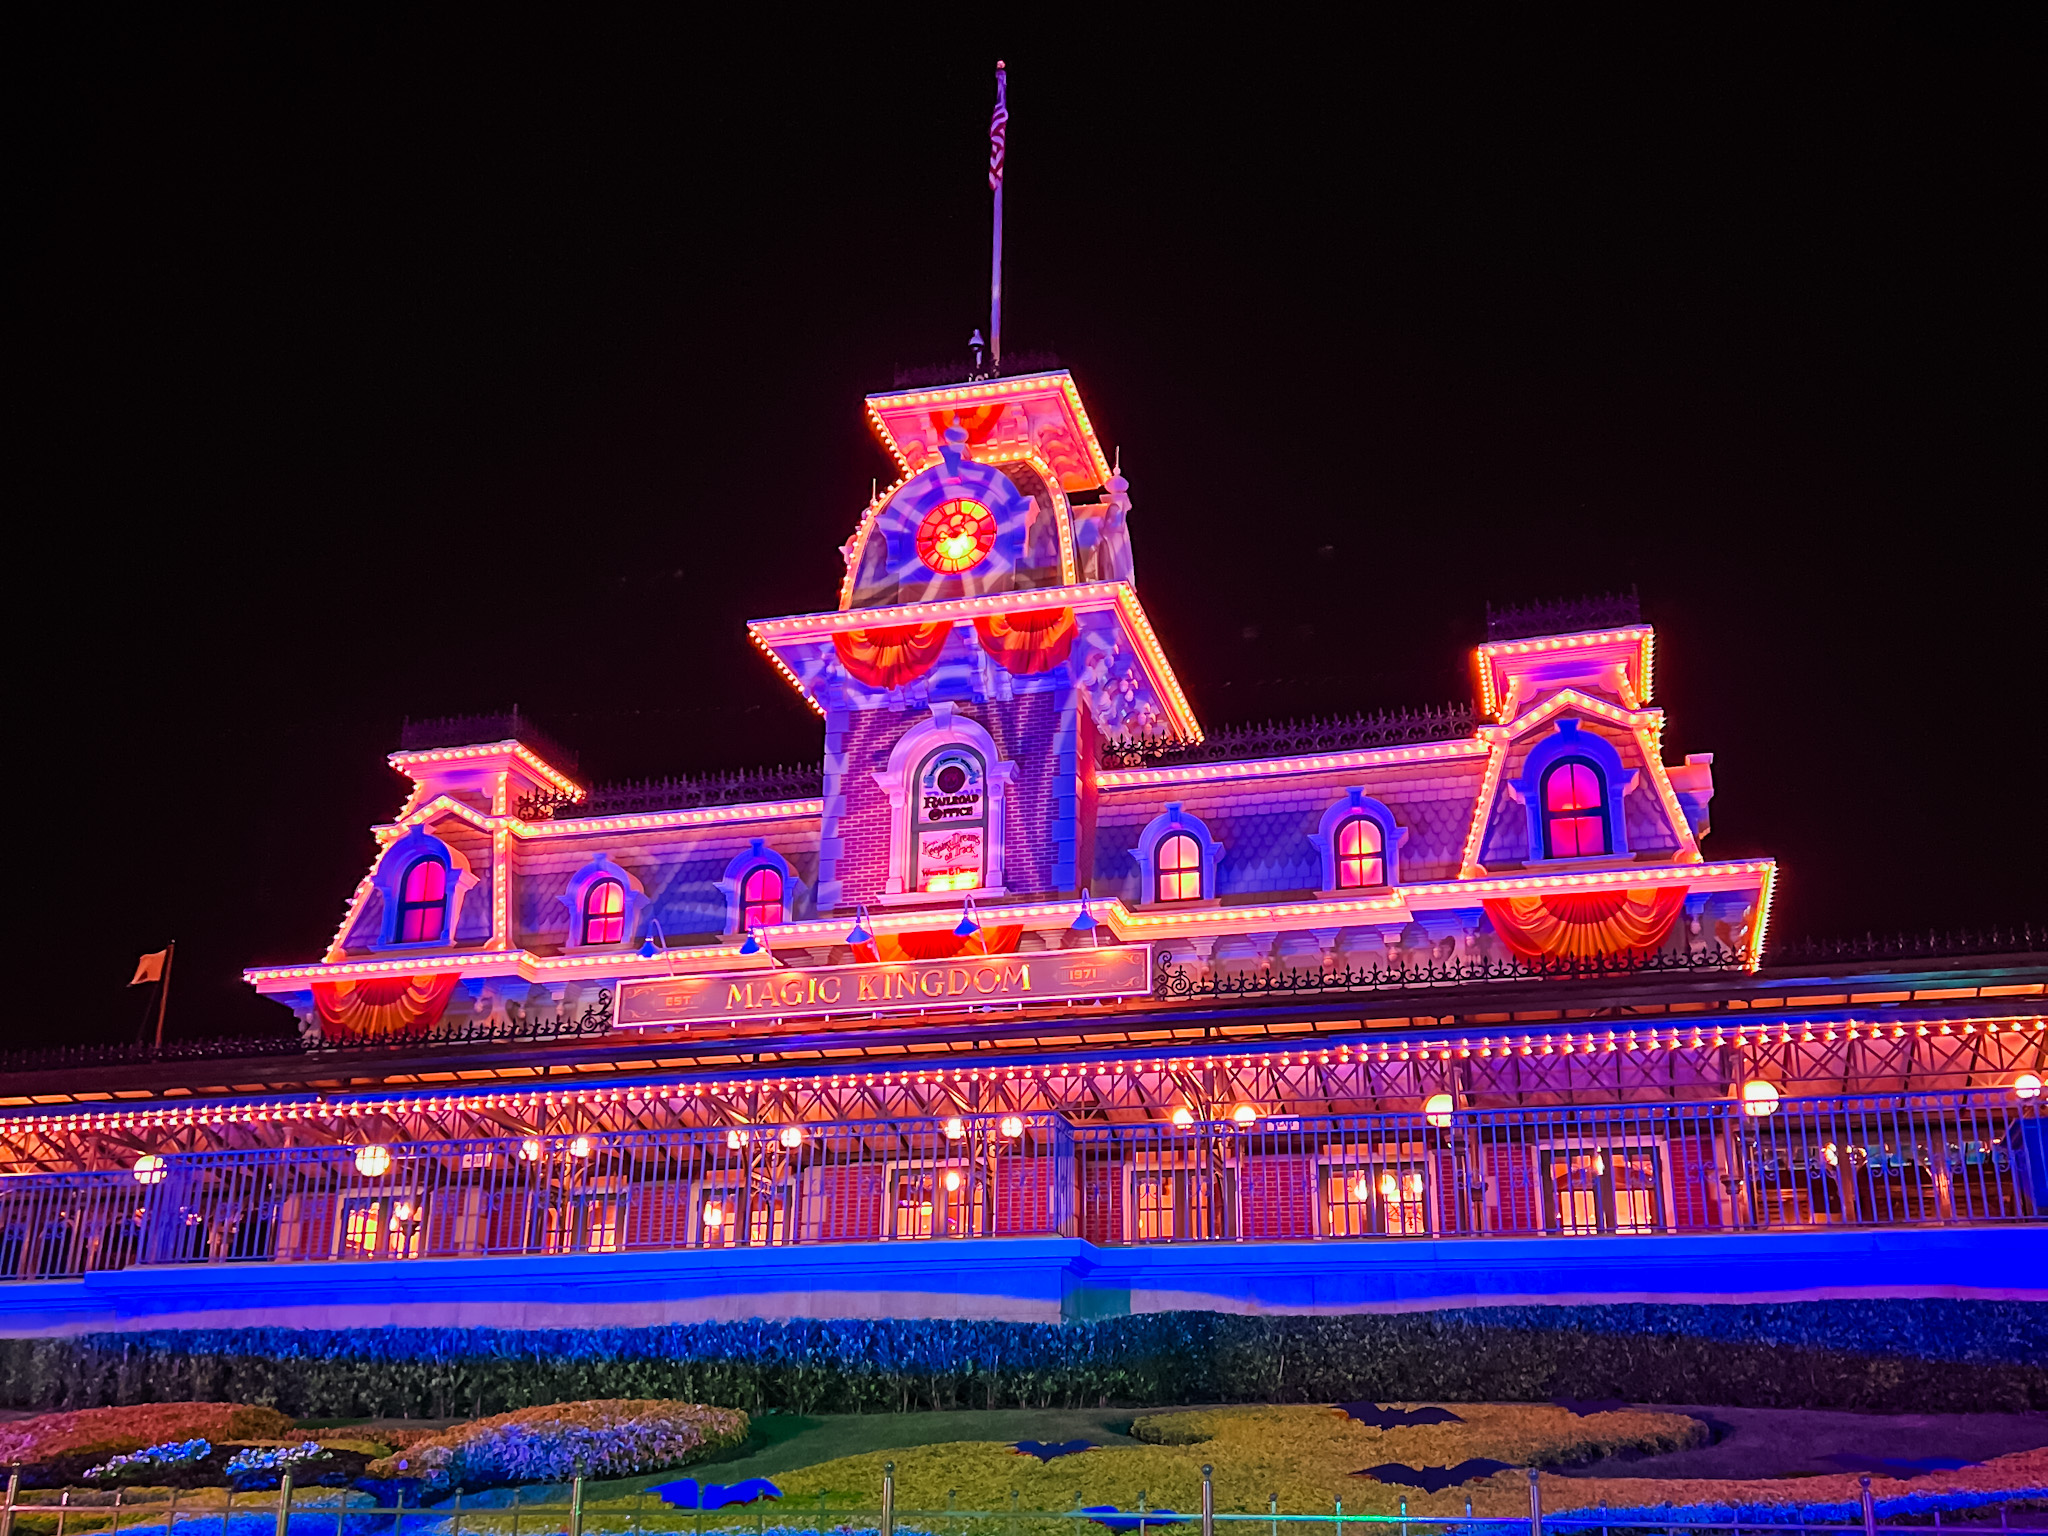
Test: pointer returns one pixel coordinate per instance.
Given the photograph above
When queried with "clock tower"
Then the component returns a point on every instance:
(988, 637)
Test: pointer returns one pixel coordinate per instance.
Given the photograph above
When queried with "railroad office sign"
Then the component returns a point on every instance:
(891, 986)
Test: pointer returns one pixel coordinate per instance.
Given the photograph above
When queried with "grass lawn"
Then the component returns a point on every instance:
(786, 1442)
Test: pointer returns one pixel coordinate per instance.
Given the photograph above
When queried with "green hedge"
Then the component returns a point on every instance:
(1896, 1356)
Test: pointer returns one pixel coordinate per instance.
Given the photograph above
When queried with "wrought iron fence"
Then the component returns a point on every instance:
(1559, 616)
(469, 730)
(594, 1020)
(1293, 738)
(1212, 1173)
(2022, 939)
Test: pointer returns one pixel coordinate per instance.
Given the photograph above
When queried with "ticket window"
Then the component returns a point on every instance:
(734, 1216)
(1376, 1199)
(935, 1202)
(1602, 1189)
(383, 1227)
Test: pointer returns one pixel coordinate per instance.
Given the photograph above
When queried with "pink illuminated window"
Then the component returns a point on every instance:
(423, 901)
(604, 912)
(1361, 854)
(1574, 810)
(1177, 862)
(761, 898)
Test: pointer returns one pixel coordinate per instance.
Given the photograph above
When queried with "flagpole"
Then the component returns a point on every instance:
(997, 133)
(163, 992)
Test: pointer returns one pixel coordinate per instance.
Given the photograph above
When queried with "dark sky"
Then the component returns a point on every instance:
(404, 371)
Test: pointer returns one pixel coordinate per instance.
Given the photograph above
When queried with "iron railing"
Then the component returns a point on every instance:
(594, 1020)
(470, 730)
(2022, 939)
(1562, 616)
(1229, 1173)
(1293, 738)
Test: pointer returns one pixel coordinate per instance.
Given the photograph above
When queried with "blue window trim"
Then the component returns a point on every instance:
(1357, 802)
(757, 855)
(398, 861)
(1569, 743)
(1174, 819)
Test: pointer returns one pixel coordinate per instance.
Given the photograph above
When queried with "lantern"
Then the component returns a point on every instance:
(2027, 1085)
(1244, 1116)
(956, 1128)
(952, 1180)
(792, 1137)
(714, 1214)
(373, 1161)
(1183, 1117)
(1361, 1188)
(734, 1140)
(151, 1169)
(580, 1147)
(529, 1150)
(1011, 1126)
(1436, 1109)
(1759, 1098)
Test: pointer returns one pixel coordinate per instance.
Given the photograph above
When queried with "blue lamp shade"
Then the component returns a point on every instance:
(1084, 920)
(858, 933)
(647, 948)
(752, 946)
(967, 927)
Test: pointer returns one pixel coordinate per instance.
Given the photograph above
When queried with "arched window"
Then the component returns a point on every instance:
(604, 912)
(423, 901)
(1361, 854)
(1178, 862)
(761, 898)
(1574, 810)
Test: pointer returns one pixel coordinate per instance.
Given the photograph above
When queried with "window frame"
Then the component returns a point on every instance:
(1550, 818)
(747, 904)
(615, 916)
(409, 904)
(1378, 855)
(1161, 873)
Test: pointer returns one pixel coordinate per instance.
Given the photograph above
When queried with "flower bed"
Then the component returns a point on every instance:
(103, 1432)
(614, 1437)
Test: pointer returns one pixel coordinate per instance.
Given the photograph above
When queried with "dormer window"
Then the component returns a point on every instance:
(1574, 810)
(423, 901)
(604, 912)
(1178, 861)
(761, 898)
(1361, 854)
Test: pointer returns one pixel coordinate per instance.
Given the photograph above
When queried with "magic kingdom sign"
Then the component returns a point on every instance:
(890, 986)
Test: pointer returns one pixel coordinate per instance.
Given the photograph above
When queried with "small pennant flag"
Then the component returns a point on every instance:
(149, 968)
(998, 128)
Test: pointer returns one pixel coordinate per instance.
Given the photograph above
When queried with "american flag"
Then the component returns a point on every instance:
(997, 127)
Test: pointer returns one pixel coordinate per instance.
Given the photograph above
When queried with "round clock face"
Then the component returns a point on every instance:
(956, 536)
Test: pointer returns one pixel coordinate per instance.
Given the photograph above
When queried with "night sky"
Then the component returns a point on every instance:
(373, 373)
